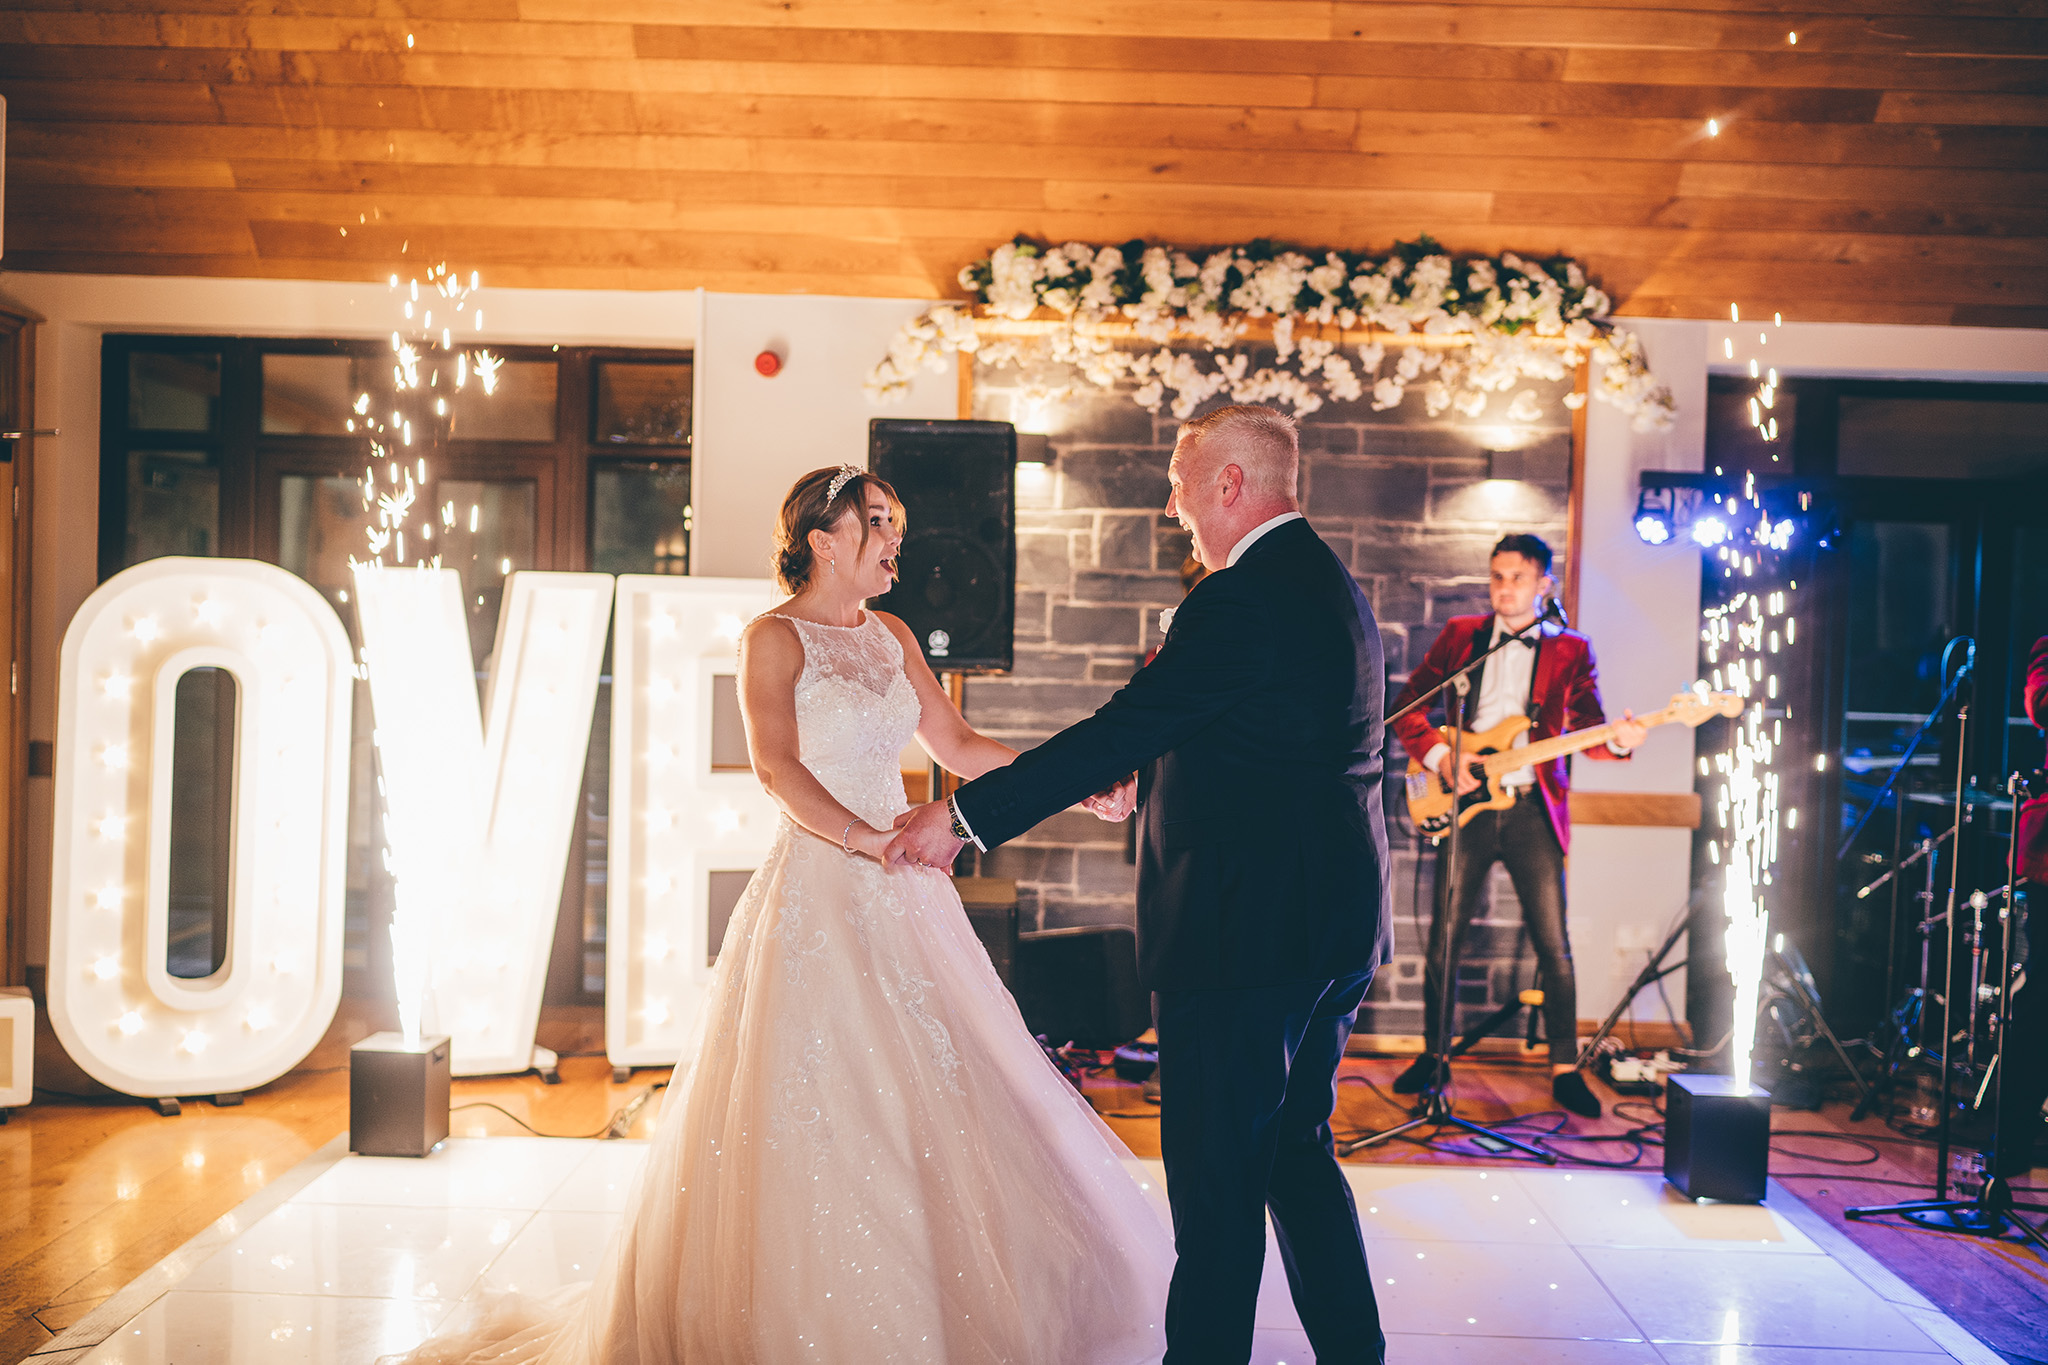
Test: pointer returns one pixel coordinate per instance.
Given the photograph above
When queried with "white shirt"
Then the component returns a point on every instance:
(1237, 550)
(1236, 553)
(1503, 692)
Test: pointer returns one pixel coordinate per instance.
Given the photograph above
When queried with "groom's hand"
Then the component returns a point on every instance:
(924, 837)
(1114, 803)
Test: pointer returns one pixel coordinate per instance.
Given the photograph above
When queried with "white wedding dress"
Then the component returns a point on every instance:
(864, 1157)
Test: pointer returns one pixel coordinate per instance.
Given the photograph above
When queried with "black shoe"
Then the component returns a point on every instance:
(1416, 1078)
(1569, 1089)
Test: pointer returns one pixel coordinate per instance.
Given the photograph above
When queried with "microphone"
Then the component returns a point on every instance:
(1554, 610)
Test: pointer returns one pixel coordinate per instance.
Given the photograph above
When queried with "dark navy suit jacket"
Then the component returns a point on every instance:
(1257, 733)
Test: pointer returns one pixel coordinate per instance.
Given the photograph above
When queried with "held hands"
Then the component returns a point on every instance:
(1627, 733)
(1115, 803)
(868, 841)
(923, 838)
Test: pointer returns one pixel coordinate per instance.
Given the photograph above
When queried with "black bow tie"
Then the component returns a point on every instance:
(1512, 639)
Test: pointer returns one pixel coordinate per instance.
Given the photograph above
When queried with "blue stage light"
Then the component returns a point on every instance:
(1653, 516)
(1708, 532)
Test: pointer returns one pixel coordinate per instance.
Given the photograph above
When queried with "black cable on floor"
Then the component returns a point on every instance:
(1870, 1157)
(613, 1126)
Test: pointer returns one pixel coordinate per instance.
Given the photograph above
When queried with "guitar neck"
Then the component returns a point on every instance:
(1543, 750)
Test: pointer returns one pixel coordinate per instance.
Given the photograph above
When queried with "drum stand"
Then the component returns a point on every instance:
(1907, 1021)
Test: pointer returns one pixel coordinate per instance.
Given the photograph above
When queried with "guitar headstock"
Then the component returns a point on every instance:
(1696, 706)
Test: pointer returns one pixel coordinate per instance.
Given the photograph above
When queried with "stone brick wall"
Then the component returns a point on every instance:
(1404, 498)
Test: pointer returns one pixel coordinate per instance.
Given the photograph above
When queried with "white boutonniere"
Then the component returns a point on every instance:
(1166, 619)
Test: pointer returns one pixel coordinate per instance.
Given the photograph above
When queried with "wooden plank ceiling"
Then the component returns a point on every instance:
(1889, 166)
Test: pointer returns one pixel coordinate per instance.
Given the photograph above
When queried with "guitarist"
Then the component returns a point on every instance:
(1550, 677)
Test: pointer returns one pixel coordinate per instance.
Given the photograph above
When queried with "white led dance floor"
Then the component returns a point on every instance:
(1478, 1267)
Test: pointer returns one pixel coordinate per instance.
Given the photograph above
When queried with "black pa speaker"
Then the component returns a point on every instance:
(958, 565)
(1081, 985)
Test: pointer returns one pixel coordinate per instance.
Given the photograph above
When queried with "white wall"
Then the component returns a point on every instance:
(1640, 604)
(758, 435)
(753, 435)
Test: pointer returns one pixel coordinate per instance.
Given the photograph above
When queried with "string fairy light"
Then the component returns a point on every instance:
(1763, 401)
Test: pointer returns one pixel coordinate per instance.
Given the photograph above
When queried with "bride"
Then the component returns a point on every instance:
(863, 1156)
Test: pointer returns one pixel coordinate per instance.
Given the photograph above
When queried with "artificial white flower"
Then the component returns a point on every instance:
(1508, 319)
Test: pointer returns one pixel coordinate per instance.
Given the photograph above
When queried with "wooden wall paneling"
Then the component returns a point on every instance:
(1680, 810)
(874, 148)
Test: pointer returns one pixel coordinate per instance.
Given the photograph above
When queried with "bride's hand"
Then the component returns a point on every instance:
(868, 841)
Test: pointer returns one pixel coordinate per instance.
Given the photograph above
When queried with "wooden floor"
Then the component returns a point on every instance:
(94, 1192)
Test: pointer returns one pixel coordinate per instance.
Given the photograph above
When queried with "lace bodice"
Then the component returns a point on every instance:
(855, 710)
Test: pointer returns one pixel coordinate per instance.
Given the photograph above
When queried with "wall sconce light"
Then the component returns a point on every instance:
(1034, 450)
(1529, 464)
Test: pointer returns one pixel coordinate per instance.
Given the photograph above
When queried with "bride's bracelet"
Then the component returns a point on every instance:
(847, 831)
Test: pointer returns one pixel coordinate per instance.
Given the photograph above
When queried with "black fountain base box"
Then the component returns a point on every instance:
(1717, 1138)
(397, 1095)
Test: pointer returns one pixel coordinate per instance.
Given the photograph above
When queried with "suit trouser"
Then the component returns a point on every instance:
(1521, 838)
(1248, 1080)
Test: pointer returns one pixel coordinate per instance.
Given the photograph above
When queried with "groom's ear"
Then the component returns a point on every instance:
(1231, 477)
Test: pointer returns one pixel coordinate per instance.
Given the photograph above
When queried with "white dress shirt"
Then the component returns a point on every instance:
(1506, 691)
(1503, 692)
(1237, 550)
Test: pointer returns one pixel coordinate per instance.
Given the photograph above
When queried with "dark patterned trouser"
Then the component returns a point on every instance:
(1521, 839)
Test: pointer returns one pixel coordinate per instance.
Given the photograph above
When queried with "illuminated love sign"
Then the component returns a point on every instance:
(113, 1003)
(689, 824)
(479, 807)
(479, 813)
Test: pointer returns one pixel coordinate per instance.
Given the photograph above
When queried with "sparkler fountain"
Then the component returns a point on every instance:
(398, 581)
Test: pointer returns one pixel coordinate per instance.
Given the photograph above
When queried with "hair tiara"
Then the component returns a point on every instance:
(847, 473)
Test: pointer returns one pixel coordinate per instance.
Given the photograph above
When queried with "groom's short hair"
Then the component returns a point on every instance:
(1264, 442)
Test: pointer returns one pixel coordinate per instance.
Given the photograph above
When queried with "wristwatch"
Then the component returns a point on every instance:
(960, 830)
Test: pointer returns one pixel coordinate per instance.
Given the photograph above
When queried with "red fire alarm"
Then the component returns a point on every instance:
(768, 364)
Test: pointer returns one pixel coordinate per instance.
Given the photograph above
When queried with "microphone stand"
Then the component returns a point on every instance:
(1906, 759)
(1432, 1109)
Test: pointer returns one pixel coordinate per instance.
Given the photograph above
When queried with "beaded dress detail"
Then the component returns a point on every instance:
(864, 1156)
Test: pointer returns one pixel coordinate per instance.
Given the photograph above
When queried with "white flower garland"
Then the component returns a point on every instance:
(1493, 320)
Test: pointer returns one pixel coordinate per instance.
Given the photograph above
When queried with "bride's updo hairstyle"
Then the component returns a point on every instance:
(806, 510)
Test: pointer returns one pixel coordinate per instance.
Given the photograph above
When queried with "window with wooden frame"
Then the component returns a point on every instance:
(239, 446)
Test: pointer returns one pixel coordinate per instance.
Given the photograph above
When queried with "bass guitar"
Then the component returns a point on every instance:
(1492, 754)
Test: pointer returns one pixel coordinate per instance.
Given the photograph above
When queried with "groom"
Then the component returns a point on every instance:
(1256, 738)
